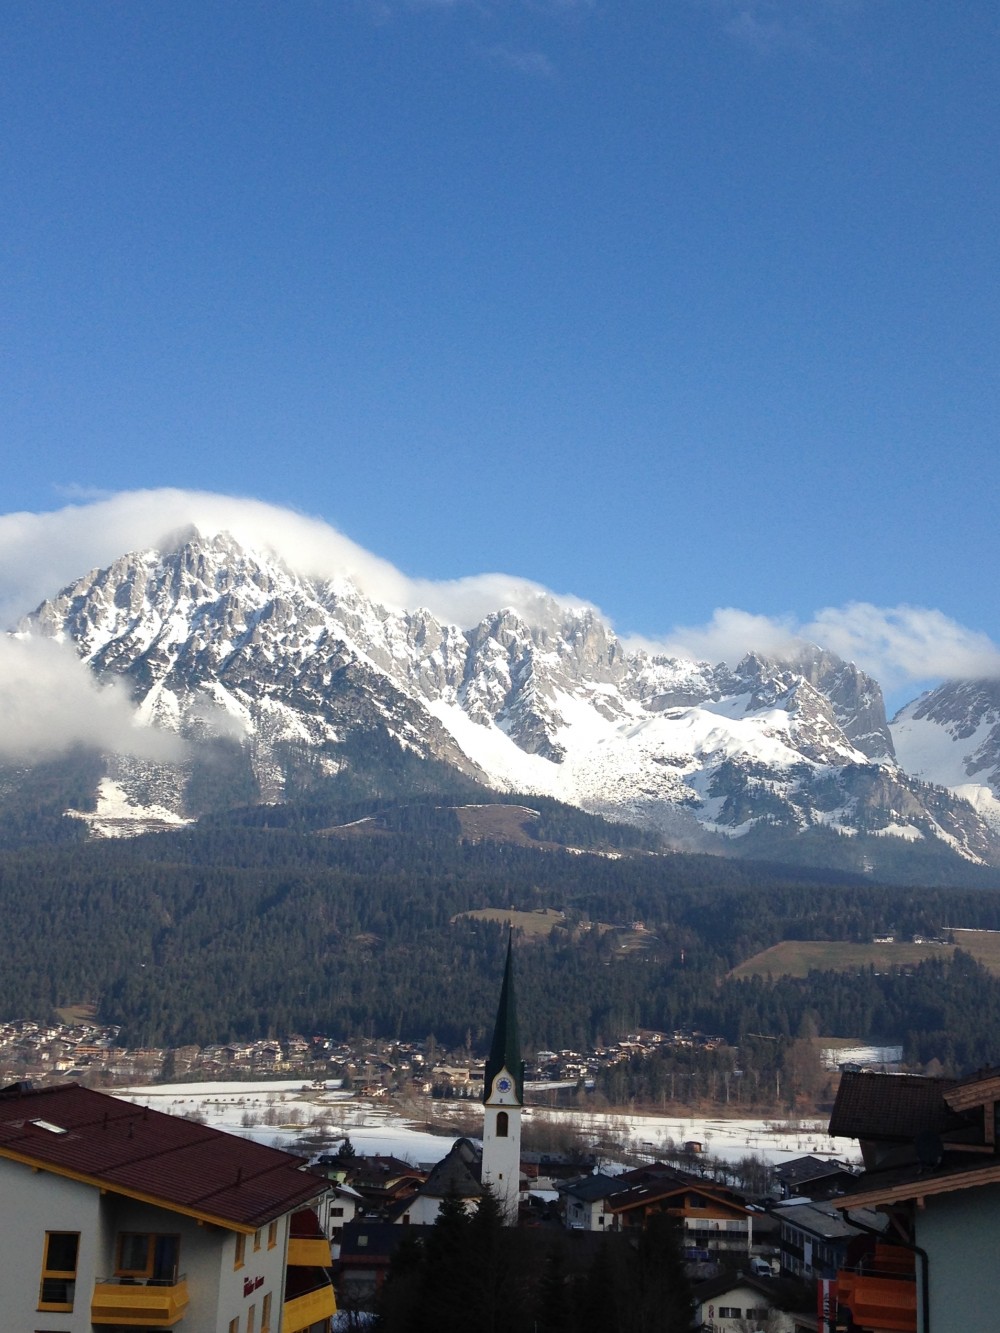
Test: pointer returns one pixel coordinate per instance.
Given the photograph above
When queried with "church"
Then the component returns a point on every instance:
(465, 1172)
(503, 1101)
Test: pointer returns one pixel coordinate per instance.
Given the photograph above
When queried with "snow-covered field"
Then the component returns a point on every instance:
(286, 1114)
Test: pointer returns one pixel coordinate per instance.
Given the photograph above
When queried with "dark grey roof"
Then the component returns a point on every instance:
(800, 1169)
(457, 1174)
(824, 1221)
(589, 1188)
(781, 1293)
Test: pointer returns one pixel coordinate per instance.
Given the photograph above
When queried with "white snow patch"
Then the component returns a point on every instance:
(116, 816)
(929, 751)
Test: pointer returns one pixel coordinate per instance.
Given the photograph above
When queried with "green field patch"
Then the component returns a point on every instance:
(797, 958)
(984, 945)
(539, 922)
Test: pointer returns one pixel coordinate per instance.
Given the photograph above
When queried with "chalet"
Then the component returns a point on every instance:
(715, 1224)
(931, 1148)
(735, 1302)
(382, 1180)
(115, 1215)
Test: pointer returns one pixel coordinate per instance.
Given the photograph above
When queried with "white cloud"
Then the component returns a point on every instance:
(42, 553)
(727, 637)
(897, 645)
(49, 702)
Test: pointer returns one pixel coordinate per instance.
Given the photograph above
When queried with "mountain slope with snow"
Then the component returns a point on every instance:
(226, 646)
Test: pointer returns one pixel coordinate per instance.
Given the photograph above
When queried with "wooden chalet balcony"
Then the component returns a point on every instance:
(139, 1302)
(884, 1296)
(308, 1299)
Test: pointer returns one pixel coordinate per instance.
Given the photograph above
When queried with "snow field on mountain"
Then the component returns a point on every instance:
(928, 750)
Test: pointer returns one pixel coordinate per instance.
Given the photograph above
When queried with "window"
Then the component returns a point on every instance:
(502, 1124)
(148, 1255)
(272, 1235)
(256, 1240)
(234, 1326)
(265, 1314)
(58, 1285)
(757, 1312)
(251, 1319)
(730, 1312)
(336, 1212)
(241, 1251)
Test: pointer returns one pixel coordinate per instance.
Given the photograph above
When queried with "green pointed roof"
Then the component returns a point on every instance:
(505, 1051)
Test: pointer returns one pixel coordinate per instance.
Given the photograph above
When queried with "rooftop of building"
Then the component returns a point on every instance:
(144, 1154)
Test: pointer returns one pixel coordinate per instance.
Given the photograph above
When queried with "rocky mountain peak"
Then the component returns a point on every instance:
(215, 639)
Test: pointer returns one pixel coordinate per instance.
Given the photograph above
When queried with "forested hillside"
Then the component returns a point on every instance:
(233, 930)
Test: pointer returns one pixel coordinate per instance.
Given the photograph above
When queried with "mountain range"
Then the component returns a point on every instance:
(288, 683)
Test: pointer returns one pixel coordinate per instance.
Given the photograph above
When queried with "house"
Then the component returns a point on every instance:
(366, 1252)
(118, 1216)
(380, 1179)
(932, 1153)
(715, 1224)
(816, 1239)
(817, 1177)
(737, 1302)
(586, 1199)
(340, 1206)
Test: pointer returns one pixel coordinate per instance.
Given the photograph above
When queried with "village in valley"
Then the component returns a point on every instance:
(369, 1066)
(400, 1140)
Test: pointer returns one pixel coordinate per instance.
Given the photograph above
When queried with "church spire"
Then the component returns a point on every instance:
(503, 1099)
(505, 1051)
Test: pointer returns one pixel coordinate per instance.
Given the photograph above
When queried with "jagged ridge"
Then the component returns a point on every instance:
(216, 641)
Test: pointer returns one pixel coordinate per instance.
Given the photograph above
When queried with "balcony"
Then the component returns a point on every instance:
(309, 1252)
(307, 1246)
(884, 1295)
(139, 1302)
(309, 1299)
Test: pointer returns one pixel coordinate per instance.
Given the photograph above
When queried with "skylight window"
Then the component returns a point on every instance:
(47, 1124)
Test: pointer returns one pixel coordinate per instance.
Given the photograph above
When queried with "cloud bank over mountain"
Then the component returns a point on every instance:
(40, 553)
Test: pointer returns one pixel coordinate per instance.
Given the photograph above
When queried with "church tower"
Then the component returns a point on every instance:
(503, 1098)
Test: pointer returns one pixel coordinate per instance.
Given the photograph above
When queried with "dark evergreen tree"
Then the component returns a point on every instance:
(554, 1307)
(663, 1301)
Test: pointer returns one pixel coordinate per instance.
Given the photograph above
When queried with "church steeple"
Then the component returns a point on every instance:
(505, 1050)
(503, 1097)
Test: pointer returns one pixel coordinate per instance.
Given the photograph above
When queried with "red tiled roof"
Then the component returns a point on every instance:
(132, 1150)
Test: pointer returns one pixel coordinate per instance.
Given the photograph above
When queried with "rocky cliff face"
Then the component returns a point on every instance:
(216, 641)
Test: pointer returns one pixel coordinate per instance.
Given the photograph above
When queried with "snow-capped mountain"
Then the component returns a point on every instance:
(216, 641)
(951, 736)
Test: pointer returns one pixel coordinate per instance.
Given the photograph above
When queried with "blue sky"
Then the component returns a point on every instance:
(675, 305)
